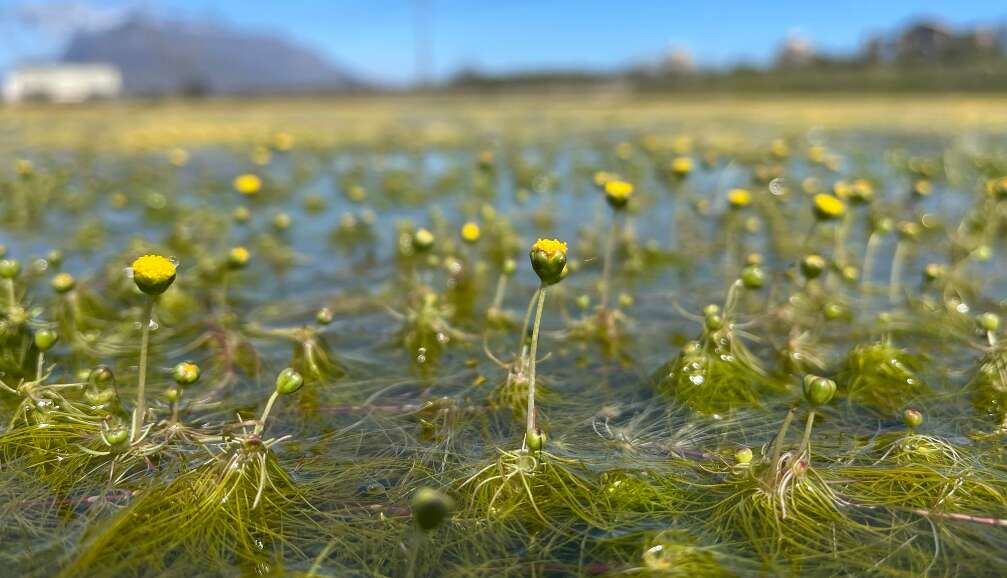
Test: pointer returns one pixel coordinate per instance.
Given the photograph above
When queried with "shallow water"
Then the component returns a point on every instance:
(409, 414)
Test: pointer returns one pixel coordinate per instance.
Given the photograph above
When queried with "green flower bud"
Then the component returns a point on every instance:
(833, 310)
(548, 259)
(583, 301)
(509, 266)
(324, 316)
(186, 373)
(812, 266)
(289, 381)
(818, 390)
(423, 240)
(63, 283)
(9, 268)
(536, 440)
(45, 339)
(173, 394)
(54, 257)
(912, 418)
(281, 221)
(430, 508)
(753, 277)
(988, 321)
(743, 456)
(117, 436)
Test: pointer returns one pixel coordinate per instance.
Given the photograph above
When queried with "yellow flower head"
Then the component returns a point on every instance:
(238, 257)
(550, 247)
(548, 259)
(63, 282)
(739, 198)
(618, 192)
(248, 184)
(681, 166)
(828, 207)
(470, 232)
(153, 274)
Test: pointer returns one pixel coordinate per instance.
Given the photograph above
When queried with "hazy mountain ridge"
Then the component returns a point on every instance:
(162, 57)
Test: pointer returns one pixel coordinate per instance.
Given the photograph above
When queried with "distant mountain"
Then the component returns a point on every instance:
(158, 57)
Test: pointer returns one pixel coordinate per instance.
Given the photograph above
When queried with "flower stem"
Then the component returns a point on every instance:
(11, 297)
(868, 267)
(524, 328)
(778, 443)
(140, 409)
(532, 429)
(265, 413)
(806, 440)
(606, 267)
(898, 262)
(40, 367)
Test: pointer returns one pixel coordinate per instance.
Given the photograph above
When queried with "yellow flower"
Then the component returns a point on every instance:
(470, 232)
(828, 207)
(617, 193)
(238, 257)
(739, 198)
(681, 166)
(153, 274)
(548, 259)
(248, 184)
(550, 246)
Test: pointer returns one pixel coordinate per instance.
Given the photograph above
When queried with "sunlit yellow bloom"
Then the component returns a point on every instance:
(470, 232)
(681, 166)
(153, 274)
(550, 246)
(548, 259)
(828, 207)
(238, 257)
(248, 184)
(617, 193)
(739, 198)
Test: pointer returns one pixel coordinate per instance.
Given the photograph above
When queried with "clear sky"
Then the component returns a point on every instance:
(376, 38)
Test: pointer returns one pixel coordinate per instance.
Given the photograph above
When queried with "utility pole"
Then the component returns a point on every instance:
(422, 26)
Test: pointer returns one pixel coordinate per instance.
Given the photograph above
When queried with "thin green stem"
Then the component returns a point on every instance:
(11, 296)
(806, 440)
(140, 409)
(869, 253)
(532, 429)
(501, 290)
(265, 413)
(606, 267)
(524, 326)
(898, 261)
(778, 442)
(40, 367)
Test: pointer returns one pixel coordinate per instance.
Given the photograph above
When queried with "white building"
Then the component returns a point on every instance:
(62, 83)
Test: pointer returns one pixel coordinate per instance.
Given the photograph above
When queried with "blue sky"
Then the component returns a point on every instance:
(375, 38)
